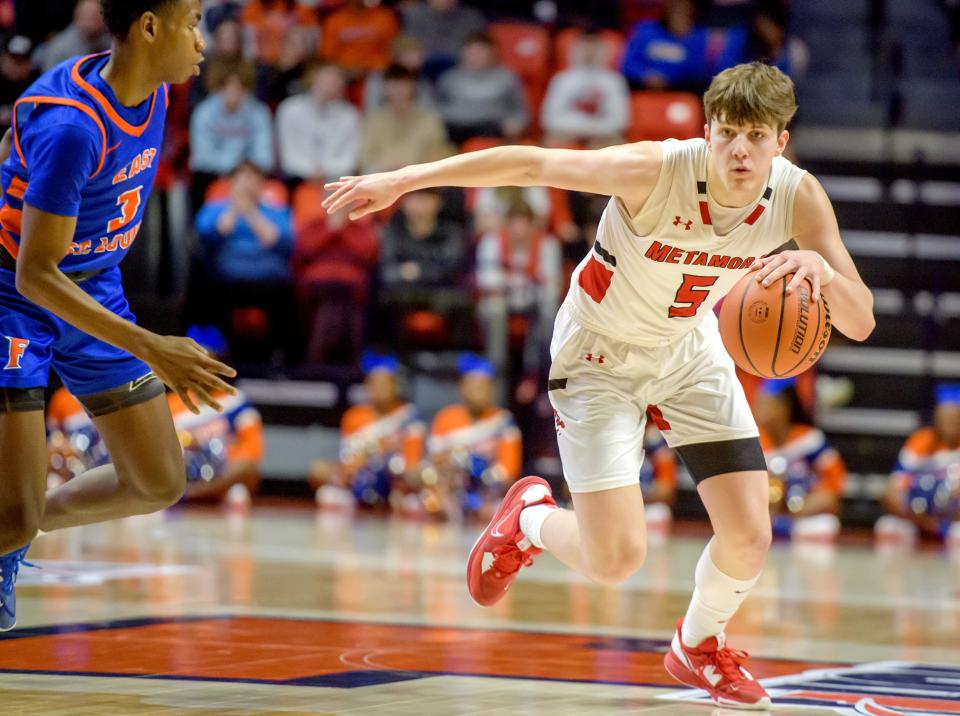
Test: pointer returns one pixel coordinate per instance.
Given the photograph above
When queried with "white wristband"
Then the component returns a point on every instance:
(828, 273)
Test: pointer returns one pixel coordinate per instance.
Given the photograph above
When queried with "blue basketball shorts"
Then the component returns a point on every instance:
(32, 340)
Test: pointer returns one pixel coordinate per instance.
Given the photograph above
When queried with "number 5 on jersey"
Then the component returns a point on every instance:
(129, 203)
(693, 292)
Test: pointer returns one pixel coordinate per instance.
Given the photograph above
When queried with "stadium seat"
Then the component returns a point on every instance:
(525, 49)
(274, 191)
(664, 115)
(306, 203)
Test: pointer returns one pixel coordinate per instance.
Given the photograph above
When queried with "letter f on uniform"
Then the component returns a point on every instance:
(17, 347)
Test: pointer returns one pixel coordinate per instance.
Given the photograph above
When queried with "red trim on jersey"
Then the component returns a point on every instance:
(705, 213)
(9, 244)
(595, 279)
(64, 102)
(11, 219)
(105, 103)
(754, 215)
(657, 417)
(17, 188)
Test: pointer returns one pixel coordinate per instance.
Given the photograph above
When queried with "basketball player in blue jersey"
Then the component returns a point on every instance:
(85, 140)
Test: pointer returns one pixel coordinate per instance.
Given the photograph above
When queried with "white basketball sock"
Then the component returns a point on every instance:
(532, 519)
(716, 598)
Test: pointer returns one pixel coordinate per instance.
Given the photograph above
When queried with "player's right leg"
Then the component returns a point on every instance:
(23, 480)
(26, 337)
(595, 388)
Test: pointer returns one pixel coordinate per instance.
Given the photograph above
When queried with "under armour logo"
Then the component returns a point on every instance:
(591, 357)
(680, 222)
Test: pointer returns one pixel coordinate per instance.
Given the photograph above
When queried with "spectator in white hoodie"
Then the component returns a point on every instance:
(587, 103)
(319, 130)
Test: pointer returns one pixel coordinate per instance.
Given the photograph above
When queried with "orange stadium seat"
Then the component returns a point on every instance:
(664, 115)
(525, 49)
(274, 191)
(306, 203)
(563, 45)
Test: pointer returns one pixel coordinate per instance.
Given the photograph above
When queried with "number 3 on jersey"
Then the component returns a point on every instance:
(129, 203)
(693, 292)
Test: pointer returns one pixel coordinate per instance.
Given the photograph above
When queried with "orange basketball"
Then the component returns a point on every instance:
(770, 333)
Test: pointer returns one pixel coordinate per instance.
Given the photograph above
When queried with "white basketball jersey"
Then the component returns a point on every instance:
(653, 277)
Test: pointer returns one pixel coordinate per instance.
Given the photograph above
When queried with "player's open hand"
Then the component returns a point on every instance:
(802, 264)
(189, 370)
(364, 195)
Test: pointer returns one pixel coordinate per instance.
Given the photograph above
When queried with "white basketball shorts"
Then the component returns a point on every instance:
(601, 389)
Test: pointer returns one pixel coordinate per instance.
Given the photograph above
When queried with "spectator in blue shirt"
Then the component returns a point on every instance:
(245, 238)
(228, 127)
(245, 283)
(671, 53)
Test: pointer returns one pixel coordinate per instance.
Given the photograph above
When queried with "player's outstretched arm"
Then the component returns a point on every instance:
(630, 168)
(824, 260)
(179, 362)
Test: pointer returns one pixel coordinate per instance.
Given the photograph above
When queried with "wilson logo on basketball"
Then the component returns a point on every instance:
(803, 320)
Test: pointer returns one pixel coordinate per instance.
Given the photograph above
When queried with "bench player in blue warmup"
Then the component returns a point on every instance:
(85, 139)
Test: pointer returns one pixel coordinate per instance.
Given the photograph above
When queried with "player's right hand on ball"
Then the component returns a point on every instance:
(189, 370)
(364, 195)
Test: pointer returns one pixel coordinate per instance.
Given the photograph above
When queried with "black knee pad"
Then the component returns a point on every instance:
(705, 460)
(137, 391)
(21, 400)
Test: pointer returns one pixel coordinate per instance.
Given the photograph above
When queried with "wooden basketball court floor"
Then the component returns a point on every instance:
(285, 611)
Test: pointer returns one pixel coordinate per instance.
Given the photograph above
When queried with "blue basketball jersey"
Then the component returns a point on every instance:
(72, 100)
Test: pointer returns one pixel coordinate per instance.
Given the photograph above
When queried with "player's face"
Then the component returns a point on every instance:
(741, 154)
(179, 45)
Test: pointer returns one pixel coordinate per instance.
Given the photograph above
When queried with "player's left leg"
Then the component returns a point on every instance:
(147, 473)
(129, 408)
(727, 571)
(705, 416)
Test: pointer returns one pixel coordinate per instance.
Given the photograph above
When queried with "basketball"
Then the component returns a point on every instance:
(771, 333)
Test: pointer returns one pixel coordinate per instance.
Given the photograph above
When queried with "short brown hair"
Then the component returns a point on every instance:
(754, 93)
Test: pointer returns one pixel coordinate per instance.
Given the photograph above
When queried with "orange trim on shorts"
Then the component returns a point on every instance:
(105, 103)
(64, 102)
(9, 244)
(17, 188)
(11, 219)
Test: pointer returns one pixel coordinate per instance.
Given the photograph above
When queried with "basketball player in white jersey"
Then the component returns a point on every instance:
(685, 221)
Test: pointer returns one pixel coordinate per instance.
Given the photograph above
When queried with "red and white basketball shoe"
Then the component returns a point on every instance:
(716, 669)
(489, 577)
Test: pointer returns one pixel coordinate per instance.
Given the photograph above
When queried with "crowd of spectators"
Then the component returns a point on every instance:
(294, 94)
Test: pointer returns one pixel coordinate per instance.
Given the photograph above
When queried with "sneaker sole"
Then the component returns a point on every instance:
(518, 487)
(681, 673)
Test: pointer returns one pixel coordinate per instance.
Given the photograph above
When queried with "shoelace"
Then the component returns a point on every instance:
(729, 661)
(508, 560)
(10, 568)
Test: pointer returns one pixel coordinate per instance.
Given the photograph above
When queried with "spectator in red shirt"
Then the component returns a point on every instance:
(333, 262)
(273, 24)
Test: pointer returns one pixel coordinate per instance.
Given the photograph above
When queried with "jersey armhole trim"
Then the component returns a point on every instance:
(63, 102)
(661, 177)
